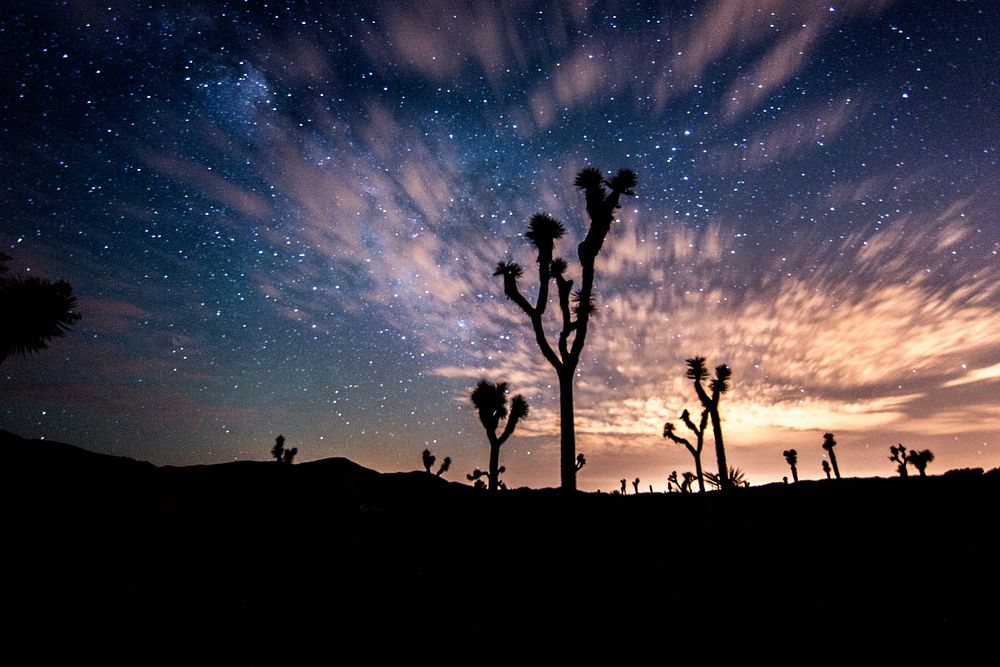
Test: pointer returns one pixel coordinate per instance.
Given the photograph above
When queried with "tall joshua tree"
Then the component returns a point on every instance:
(920, 459)
(491, 401)
(575, 307)
(710, 401)
(34, 311)
(828, 444)
(699, 432)
(792, 457)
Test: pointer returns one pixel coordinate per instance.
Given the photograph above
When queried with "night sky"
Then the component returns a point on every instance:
(283, 217)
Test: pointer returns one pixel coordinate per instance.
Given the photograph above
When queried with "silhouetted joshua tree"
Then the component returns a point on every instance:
(897, 454)
(635, 485)
(624, 483)
(683, 487)
(278, 451)
(718, 386)
(828, 444)
(280, 454)
(444, 466)
(429, 460)
(576, 308)
(826, 469)
(491, 401)
(792, 457)
(920, 459)
(699, 432)
(33, 311)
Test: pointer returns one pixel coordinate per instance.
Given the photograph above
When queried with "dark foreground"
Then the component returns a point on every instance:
(113, 561)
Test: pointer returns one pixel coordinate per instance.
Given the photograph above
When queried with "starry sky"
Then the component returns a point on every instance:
(283, 217)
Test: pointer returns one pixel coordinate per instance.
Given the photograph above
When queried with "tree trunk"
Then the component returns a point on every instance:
(833, 462)
(720, 452)
(795, 474)
(567, 439)
(494, 465)
(701, 477)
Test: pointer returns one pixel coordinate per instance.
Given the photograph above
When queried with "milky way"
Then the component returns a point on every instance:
(283, 218)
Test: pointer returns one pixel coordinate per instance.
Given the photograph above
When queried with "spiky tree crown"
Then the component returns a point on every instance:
(623, 182)
(721, 382)
(518, 408)
(590, 308)
(828, 441)
(791, 456)
(696, 369)
(36, 311)
(589, 178)
(543, 230)
(508, 270)
(491, 401)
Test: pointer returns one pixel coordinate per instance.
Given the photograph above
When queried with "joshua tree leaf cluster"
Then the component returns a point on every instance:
(33, 311)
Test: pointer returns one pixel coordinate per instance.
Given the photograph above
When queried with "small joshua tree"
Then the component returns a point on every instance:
(575, 307)
(792, 457)
(828, 444)
(898, 455)
(444, 466)
(920, 459)
(635, 485)
(624, 483)
(683, 487)
(695, 450)
(289, 454)
(491, 401)
(710, 401)
(826, 469)
(688, 480)
(429, 460)
(278, 451)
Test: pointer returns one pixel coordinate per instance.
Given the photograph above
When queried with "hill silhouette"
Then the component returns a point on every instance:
(111, 559)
